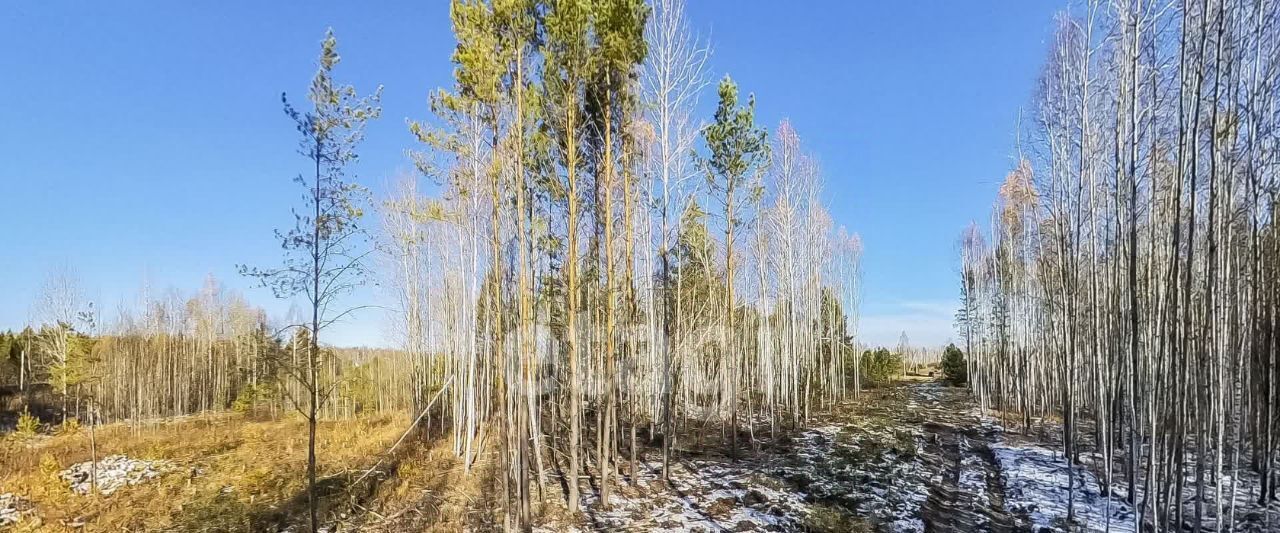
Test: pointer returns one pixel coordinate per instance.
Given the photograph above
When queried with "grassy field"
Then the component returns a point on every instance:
(231, 472)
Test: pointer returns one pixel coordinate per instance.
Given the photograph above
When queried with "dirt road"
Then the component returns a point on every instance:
(913, 458)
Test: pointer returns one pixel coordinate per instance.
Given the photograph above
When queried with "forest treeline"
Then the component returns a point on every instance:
(1130, 280)
(597, 268)
(175, 354)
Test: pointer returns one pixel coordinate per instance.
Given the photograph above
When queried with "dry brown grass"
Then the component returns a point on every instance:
(234, 473)
(428, 490)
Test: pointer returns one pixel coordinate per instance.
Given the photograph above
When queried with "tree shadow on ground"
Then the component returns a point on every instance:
(339, 496)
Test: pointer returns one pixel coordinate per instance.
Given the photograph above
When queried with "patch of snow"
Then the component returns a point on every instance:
(114, 472)
(12, 508)
(865, 468)
(973, 477)
(702, 496)
(1037, 485)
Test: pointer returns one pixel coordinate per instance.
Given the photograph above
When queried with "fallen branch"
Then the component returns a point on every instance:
(407, 431)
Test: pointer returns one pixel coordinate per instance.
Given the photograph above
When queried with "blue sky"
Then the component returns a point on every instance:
(145, 141)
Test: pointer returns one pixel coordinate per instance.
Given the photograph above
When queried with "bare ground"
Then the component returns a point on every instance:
(912, 458)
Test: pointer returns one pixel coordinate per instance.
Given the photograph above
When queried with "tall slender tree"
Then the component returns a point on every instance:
(325, 250)
(737, 150)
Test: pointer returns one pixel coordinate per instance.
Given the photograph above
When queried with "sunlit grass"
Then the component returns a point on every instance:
(231, 470)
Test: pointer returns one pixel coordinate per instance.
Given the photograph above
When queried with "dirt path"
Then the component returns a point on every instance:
(967, 491)
(982, 479)
(916, 458)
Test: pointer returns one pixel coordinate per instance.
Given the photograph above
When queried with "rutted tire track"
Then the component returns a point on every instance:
(909, 459)
(966, 493)
(965, 487)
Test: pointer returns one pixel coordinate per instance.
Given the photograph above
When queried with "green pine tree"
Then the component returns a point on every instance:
(954, 369)
(738, 151)
(324, 253)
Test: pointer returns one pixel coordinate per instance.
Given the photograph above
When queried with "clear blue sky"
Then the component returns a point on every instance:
(144, 141)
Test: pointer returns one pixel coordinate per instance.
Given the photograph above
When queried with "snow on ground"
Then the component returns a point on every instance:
(1239, 509)
(1242, 511)
(869, 469)
(917, 458)
(704, 496)
(973, 475)
(12, 508)
(871, 472)
(1037, 484)
(1242, 507)
(114, 472)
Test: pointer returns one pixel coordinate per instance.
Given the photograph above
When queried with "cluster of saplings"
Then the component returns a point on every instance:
(880, 367)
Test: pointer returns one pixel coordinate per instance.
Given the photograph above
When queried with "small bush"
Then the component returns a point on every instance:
(879, 367)
(69, 426)
(953, 366)
(248, 398)
(831, 519)
(28, 425)
(49, 466)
